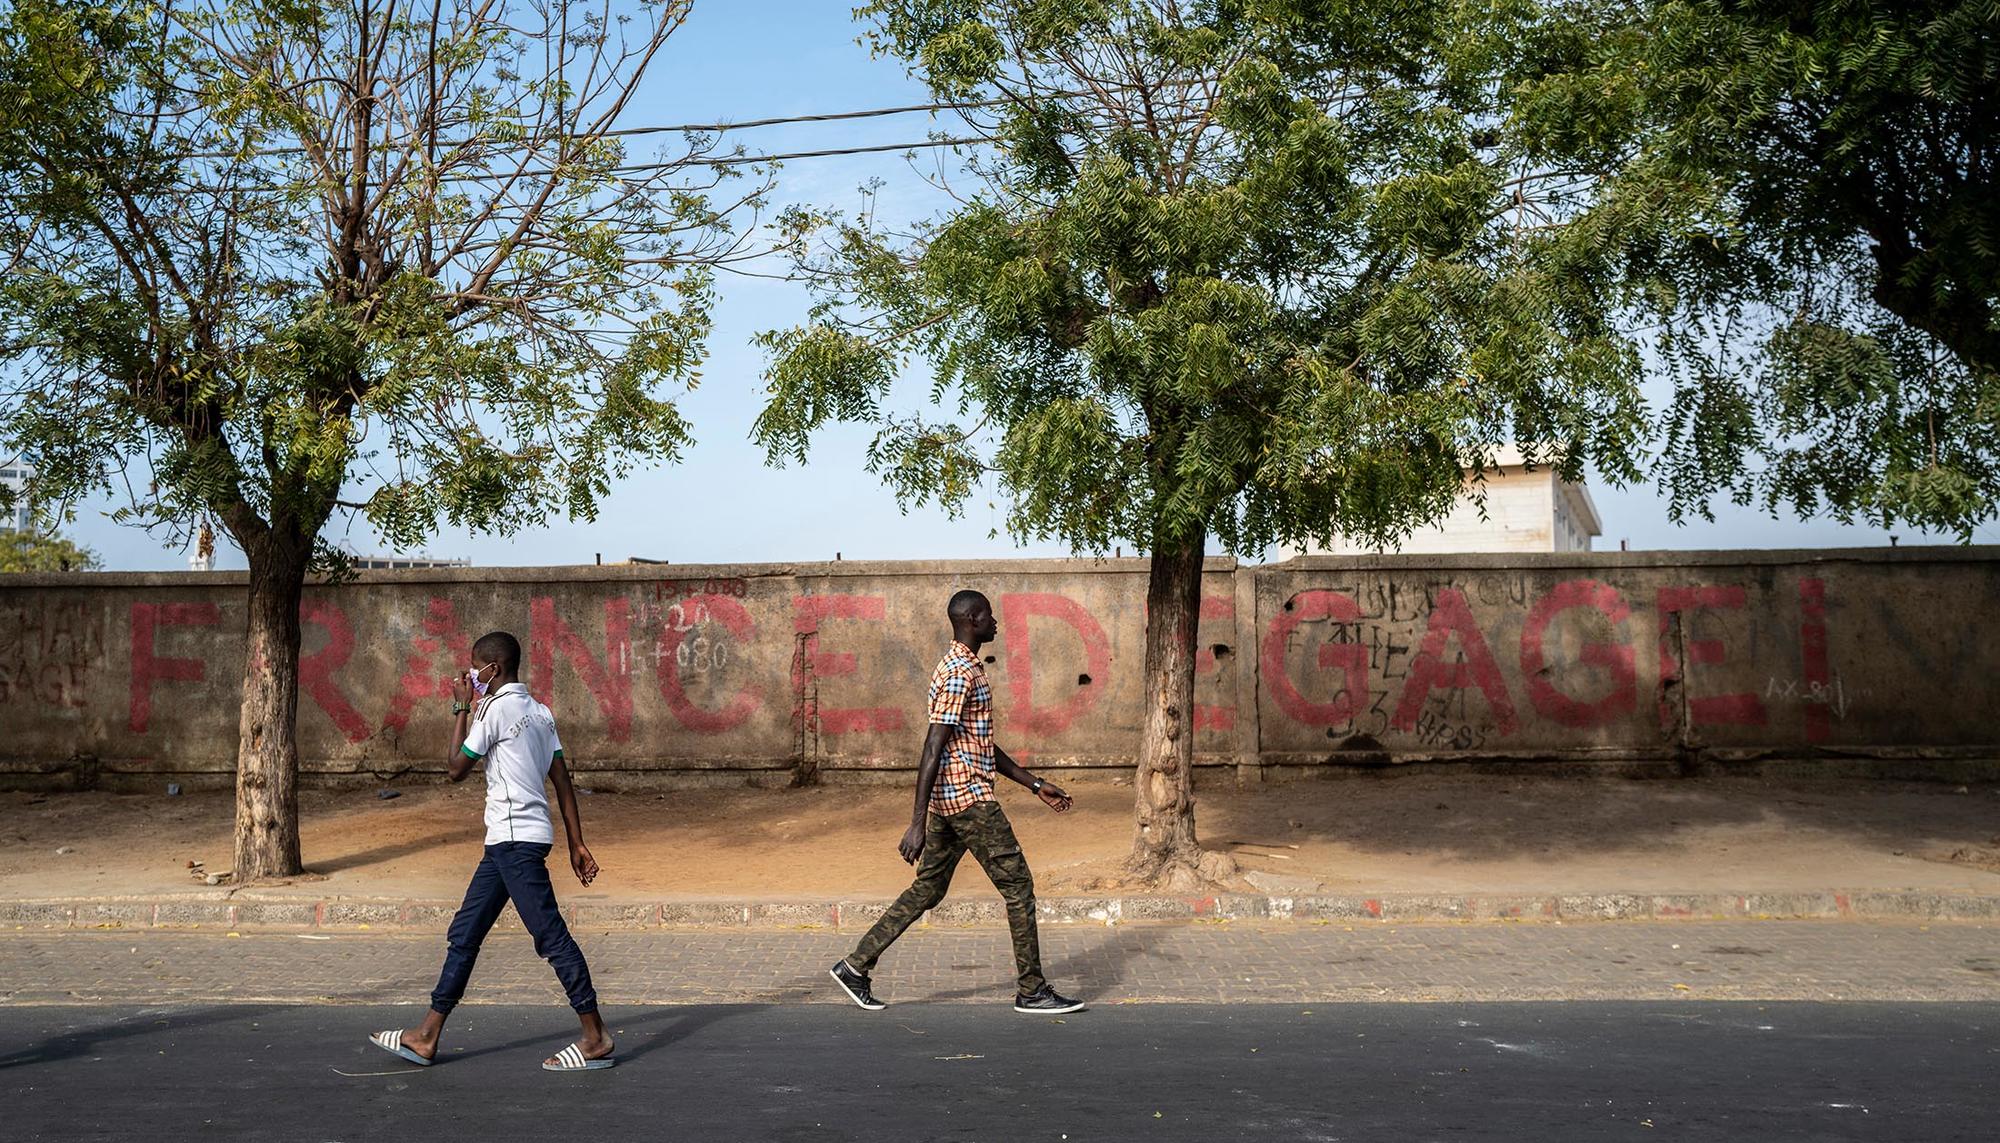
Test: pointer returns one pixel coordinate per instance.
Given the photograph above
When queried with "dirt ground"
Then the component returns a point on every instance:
(1410, 832)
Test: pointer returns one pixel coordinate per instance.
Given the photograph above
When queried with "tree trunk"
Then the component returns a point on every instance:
(1164, 850)
(267, 752)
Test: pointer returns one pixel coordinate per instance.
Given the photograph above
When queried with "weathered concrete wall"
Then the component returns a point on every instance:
(768, 672)
(1617, 655)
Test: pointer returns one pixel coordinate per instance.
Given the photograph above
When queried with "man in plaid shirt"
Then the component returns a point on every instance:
(955, 812)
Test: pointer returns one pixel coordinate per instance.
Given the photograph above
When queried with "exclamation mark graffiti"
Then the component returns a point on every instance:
(1812, 652)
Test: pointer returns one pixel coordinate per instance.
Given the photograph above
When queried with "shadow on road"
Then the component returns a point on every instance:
(91, 1041)
(630, 1028)
(1107, 962)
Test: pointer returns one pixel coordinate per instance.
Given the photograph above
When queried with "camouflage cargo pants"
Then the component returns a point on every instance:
(985, 831)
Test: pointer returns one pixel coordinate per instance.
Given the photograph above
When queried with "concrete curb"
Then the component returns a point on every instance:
(354, 915)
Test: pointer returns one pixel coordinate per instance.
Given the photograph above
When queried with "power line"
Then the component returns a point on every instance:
(718, 128)
(740, 160)
(625, 169)
(691, 128)
(871, 113)
(782, 120)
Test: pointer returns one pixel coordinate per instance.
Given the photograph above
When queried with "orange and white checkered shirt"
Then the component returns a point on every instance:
(961, 698)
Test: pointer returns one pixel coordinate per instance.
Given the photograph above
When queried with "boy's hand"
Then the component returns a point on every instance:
(1053, 796)
(912, 845)
(584, 864)
(461, 688)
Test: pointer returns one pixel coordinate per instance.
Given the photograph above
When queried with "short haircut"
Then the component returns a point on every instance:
(500, 648)
(963, 604)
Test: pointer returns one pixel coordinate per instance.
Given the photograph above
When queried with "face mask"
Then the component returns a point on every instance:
(478, 684)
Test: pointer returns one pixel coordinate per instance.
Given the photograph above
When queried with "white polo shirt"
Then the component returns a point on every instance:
(517, 737)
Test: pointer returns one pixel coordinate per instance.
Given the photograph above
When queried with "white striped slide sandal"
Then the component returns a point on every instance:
(571, 1059)
(391, 1041)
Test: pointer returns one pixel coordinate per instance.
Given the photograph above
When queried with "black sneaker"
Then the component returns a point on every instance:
(1047, 1002)
(855, 984)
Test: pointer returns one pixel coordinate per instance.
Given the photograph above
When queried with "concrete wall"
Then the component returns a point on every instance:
(766, 673)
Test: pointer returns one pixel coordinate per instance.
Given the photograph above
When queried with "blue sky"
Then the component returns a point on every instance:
(750, 59)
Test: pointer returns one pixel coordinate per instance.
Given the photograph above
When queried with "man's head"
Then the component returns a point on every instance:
(499, 650)
(972, 618)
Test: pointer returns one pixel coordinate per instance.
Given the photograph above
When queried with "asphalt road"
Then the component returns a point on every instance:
(804, 1074)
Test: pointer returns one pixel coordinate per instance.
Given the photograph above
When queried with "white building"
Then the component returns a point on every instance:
(15, 474)
(1526, 511)
(403, 563)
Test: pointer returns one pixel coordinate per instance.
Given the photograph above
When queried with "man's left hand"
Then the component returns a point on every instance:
(583, 863)
(1054, 797)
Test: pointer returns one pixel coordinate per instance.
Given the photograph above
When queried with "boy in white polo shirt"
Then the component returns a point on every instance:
(516, 737)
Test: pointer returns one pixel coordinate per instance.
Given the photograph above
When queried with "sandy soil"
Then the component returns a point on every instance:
(1408, 832)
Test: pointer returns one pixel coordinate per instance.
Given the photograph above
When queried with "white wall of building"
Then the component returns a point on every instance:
(14, 475)
(1524, 511)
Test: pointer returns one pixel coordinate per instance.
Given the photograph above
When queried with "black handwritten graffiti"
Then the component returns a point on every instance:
(1436, 730)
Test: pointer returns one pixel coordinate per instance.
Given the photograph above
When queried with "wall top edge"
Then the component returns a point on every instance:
(972, 570)
(975, 570)
(1739, 557)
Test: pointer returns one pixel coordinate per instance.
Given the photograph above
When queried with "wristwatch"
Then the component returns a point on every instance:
(1037, 787)
(461, 708)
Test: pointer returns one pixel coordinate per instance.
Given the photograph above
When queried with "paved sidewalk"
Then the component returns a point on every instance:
(265, 912)
(1305, 964)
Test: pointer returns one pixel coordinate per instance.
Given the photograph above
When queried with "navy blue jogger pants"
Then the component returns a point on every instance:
(514, 871)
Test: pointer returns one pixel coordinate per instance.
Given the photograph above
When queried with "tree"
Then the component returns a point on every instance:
(1827, 294)
(38, 552)
(1255, 272)
(282, 260)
